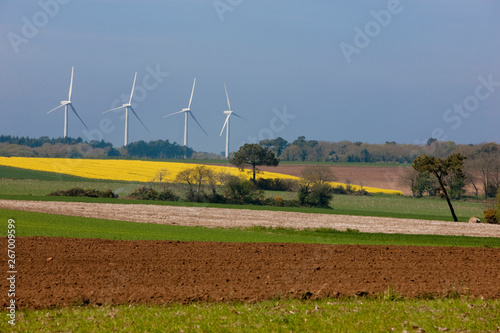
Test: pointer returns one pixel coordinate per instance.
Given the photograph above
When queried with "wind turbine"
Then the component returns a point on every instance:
(66, 104)
(127, 107)
(226, 123)
(187, 111)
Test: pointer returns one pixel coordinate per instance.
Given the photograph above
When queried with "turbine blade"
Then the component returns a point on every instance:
(133, 87)
(192, 91)
(197, 122)
(237, 115)
(120, 107)
(168, 115)
(71, 84)
(225, 123)
(131, 108)
(72, 108)
(227, 96)
(56, 108)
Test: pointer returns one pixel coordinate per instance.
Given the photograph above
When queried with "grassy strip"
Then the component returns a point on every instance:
(17, 173)
(327, 315)
(41, 224)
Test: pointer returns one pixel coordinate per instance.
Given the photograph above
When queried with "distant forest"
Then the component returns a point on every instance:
(77, 148)
(299, 150)
(303, 150)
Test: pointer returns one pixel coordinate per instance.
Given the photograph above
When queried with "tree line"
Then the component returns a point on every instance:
(77, 148)
(303, 150)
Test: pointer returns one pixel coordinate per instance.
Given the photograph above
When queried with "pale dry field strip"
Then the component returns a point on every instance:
(231, 218)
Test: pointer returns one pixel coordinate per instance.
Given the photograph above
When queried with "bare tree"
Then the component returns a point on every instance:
(409, 179)
(195, 178)
(318, 173)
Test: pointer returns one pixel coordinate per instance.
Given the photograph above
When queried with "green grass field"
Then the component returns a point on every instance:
(40, 224)
(377, 205)
(383, 314)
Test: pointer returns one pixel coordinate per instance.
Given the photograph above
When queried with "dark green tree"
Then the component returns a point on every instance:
(277, 145)
(253, 154)
(441, 168)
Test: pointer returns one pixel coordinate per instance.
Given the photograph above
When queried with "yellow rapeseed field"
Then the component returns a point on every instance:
(134, 170)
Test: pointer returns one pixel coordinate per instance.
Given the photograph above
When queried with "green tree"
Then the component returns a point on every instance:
(253, 154)
(441, 168)
(317, 195)
(277, 145)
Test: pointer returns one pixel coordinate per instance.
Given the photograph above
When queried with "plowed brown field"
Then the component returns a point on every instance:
(386, 177)
(61, 272)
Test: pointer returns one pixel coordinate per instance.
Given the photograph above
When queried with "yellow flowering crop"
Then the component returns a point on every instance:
(133, 170)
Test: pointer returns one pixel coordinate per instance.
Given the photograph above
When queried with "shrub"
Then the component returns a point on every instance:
(168, 195)
(144, 193)
(339, 189)
(276, 184)
(490, 216)
(279, 202)
(238, 191)
(79, 192)
(318, 195)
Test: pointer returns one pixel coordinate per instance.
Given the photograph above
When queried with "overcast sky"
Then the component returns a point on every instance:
(370, 71)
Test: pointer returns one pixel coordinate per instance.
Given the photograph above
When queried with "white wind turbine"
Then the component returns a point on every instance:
(127, 107)
(226, 123)
(70, 104)
(186, 111)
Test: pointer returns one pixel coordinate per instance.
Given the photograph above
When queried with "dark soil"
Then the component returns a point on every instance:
(64, 272)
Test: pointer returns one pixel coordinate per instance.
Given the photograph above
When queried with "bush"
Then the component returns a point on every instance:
(318, 195)
(491, 190)
(144, 193)
(148, 193)
(276, 184)
(168, 195)
(238, 191)
(280, 202)
(79, 192)
(490, 216)
(339, 189)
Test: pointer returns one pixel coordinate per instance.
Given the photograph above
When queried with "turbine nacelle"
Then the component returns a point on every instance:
(65, 102)
(186, 110)
(228, 112)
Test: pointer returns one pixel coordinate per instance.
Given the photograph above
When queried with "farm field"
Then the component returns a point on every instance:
(65, 271)
(115, 272)
(237, 218)
(135, 170)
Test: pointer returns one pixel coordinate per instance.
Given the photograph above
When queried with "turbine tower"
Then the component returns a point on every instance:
(70, 104)
(187, 111)
(127, 107)
(229, 112)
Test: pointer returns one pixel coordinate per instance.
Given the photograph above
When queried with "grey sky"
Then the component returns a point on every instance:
(370, 71)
